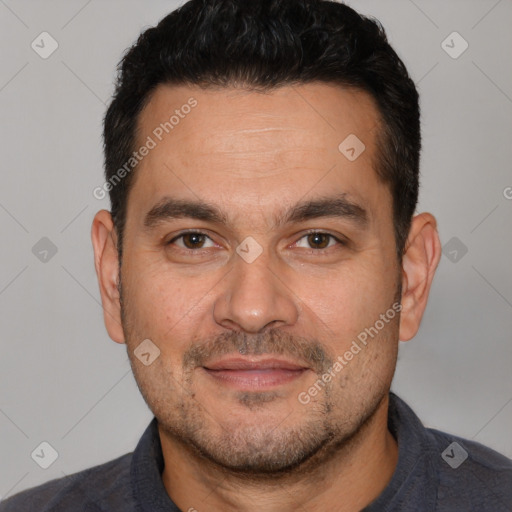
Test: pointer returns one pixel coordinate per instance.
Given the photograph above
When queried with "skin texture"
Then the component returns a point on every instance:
(304, 298)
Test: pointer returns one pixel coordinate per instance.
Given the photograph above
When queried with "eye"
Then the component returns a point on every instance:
(191, 240)
(318, 240)
(195, 240)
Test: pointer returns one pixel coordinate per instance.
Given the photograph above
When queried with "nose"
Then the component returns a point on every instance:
(254, 297)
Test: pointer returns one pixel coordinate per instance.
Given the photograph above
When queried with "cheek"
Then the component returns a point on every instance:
(343, 303)
(163, 307)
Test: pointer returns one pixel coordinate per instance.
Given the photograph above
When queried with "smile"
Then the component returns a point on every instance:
(250, 375)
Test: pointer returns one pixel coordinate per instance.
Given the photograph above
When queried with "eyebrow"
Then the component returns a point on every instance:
(339, 206)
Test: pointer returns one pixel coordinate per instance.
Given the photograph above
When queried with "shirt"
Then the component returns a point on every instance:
(435, 472)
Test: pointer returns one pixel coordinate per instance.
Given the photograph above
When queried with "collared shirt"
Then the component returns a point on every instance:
(436, 472)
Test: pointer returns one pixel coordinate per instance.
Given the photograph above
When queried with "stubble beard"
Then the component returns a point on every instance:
(256, 452)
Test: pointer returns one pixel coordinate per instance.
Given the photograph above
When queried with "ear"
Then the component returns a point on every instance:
(106, 262)
(419, 263)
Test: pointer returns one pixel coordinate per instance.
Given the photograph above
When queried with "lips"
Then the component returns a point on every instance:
(247, 364)
(253, 374)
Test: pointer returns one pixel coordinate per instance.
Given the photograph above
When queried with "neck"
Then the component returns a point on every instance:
(349, 478)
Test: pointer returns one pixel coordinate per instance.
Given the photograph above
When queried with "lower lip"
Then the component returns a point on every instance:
(251, 380)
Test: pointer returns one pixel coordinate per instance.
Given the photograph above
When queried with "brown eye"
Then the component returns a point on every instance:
(191, 240)
(319, 240)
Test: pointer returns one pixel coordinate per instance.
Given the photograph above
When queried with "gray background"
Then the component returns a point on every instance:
(65, 382)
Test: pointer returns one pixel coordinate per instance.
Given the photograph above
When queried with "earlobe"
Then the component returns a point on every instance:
(106, 263)
(420, 260)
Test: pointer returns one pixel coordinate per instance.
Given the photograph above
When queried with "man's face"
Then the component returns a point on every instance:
(251, 307)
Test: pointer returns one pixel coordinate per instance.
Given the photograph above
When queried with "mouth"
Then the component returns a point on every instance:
(254, 375)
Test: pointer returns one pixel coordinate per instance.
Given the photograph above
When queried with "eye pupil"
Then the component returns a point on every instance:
(193, 240)
(320, 240)
(196, 240)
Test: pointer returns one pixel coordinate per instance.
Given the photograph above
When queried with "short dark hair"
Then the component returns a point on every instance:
(261, 45)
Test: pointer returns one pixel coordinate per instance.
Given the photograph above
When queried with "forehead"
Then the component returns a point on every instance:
(271, 148)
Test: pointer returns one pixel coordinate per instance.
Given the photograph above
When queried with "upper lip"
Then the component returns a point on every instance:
(239, 363)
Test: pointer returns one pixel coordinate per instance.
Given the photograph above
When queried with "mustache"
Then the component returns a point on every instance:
(274, 342)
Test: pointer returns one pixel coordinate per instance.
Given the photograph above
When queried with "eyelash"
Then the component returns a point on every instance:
(312, 232)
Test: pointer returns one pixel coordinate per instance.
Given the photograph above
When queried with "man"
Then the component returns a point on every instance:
(261, 261)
